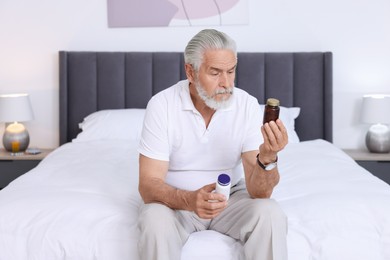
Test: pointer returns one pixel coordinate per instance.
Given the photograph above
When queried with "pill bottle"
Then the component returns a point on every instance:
(223, 185)
(271, 110)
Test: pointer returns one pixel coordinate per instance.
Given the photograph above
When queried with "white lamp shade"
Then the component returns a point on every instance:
(15, 108)
(376, 109)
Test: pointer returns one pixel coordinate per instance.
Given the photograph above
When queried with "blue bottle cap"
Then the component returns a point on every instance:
(223, 179)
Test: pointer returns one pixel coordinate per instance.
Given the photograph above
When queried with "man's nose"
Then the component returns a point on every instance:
(224, 80)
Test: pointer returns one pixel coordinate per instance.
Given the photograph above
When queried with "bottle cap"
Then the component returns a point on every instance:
(273, 102)
(223, 179)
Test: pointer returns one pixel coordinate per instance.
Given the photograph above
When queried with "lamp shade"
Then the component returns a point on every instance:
(15, 108)
(376, 109)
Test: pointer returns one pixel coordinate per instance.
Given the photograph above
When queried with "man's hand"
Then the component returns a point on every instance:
(275, 139)
(206, 204)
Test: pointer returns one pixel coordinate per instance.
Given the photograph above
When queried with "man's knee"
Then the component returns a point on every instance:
(156, 217)
(268, 208)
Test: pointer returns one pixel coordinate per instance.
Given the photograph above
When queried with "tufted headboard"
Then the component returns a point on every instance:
(92, 81)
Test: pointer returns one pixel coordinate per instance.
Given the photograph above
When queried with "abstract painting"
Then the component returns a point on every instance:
(159, 13)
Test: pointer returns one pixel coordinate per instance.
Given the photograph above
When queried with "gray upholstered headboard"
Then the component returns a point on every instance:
(92, 81)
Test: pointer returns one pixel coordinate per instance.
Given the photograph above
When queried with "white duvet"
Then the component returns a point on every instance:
(81, 202)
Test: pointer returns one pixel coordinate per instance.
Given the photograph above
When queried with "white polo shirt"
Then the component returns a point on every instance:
(175, 131)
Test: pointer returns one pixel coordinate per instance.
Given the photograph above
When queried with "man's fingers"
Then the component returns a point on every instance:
(212, 210)
(216, 197)
(269, 137)
(275, 135)
(209, 187)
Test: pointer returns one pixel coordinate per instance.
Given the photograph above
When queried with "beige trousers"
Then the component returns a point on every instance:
(259, 223)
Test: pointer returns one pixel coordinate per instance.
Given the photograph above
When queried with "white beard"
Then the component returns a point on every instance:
(210, 101)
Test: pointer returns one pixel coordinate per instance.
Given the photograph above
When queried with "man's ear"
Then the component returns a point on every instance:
(190, 73)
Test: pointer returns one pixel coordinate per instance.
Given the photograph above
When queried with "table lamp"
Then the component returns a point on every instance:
(15, 108)
(376, 111)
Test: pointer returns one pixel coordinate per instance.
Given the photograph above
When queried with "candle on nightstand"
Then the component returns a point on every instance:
(15, 146)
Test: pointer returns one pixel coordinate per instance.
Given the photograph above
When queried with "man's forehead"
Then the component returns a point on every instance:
(219, 59)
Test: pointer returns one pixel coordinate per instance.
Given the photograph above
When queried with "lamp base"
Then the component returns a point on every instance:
(378, 139)
(16, 138)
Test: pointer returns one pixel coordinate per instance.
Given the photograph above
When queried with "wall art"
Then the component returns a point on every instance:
(159, 13)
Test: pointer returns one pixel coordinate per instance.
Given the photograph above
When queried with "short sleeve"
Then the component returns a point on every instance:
(154, 142)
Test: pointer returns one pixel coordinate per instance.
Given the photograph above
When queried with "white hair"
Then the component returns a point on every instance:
(208, 39)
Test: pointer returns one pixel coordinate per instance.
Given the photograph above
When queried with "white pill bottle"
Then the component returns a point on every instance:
(223, 185)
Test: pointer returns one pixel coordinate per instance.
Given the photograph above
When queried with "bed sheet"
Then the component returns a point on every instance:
(82, 202)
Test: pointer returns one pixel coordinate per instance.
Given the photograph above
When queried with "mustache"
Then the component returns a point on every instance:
(224, 91)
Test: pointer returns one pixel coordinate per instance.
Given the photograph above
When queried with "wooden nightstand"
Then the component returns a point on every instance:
(12, 166)
(377, 163)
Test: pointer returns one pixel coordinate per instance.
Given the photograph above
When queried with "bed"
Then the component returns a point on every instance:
(81, 201)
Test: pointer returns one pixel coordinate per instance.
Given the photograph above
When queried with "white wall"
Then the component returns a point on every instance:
(356, 31)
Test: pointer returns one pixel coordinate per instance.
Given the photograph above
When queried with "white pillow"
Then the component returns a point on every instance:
(125, 124)
(288, 116)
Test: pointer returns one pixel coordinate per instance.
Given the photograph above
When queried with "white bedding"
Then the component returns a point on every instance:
(82, 202)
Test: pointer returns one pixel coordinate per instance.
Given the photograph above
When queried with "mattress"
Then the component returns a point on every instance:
(82, 202)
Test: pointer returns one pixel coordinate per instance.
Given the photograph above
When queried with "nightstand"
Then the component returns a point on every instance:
(12, 166)
(377, 163)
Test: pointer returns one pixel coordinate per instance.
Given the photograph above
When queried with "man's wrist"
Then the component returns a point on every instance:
(266, 166)
(267, 159)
